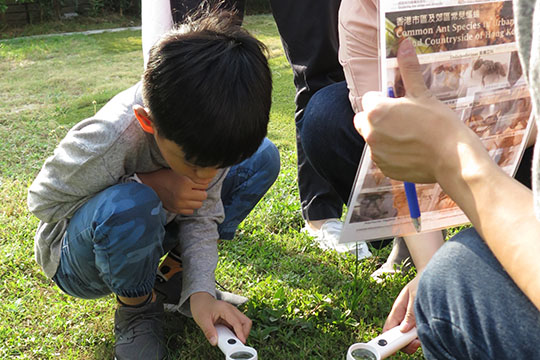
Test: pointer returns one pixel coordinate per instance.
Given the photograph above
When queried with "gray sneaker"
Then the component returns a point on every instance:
(139, 332)
(327, 238)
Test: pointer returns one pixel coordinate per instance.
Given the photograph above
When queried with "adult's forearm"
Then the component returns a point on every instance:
(419, 139)
(501, 209)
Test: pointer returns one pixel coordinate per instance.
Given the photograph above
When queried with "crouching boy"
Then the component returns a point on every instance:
(149, 175)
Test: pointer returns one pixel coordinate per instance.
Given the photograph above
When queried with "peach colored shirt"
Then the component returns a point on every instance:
(358, 50)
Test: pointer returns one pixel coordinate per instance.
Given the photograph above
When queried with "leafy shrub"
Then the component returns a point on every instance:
(98, 7)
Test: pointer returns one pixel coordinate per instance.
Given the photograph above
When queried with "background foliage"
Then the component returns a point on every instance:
(29, 17)
(123, 6)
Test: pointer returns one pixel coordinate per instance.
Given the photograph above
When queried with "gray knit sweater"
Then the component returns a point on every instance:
(527, 15)
(100, 152)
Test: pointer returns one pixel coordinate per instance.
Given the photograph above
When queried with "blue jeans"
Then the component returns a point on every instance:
(467, 307)
(331, 142)
(114, 242)
(308, 31)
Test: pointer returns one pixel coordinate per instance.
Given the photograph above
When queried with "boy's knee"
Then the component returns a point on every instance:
(130, 207)
(270, 159)
(128, 240)
(264, 165)
(116, 239)
(138, 192)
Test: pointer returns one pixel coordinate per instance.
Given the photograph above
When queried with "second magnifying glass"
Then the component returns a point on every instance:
(382, 346)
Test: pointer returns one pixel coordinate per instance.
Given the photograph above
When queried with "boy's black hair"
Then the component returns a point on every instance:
(208, 88)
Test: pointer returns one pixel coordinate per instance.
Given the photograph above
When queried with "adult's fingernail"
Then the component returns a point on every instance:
(404, 326)
(406, 48)
(213, 341)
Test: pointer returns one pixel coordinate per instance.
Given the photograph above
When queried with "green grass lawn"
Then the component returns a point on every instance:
(304, 303)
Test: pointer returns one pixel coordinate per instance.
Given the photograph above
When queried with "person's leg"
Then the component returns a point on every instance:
(308, 30)
(334, 148)
(245, 184)
(331, 142)
(467, 307)
(113, 244)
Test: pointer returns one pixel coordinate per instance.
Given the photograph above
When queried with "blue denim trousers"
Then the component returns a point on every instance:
(467, 307)
(331, 143)
(114, 242)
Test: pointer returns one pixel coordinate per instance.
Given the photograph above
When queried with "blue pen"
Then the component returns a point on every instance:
(410, 193)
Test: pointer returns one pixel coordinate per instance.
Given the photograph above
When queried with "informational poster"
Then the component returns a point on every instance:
(468, 55)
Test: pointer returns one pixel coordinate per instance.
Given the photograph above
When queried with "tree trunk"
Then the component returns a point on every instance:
(57, 9)
(28, 17)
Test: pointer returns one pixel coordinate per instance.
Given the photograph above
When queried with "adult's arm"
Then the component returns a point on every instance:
(359, 57)
(358, 49)
(419, 139)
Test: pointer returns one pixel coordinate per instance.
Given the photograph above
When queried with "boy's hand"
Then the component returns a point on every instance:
(178, 193)
(208, 311)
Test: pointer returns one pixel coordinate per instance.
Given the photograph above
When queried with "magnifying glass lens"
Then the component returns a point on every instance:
(238, 355)
(363, 354)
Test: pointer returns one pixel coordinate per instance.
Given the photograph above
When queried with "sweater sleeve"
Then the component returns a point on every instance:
(70, 177)
(198, 237)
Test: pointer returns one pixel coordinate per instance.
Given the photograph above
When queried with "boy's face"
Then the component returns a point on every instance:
(172, 152)
(174, 156)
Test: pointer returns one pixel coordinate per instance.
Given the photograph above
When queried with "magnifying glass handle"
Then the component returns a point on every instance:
(392, 340)
(232, 347)
(227, 340)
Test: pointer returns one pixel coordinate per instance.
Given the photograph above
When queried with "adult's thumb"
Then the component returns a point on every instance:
(410, 70)
(371, 99)
(409, 321)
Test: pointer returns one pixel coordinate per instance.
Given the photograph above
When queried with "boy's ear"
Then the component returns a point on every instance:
(144, 119)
